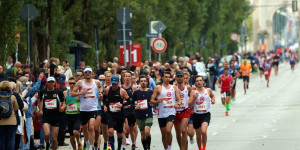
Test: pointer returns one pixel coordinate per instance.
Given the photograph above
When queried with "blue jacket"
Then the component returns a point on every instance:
(31, 92)
(152, 84)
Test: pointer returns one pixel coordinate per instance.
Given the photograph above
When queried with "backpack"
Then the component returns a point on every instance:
(6, 103)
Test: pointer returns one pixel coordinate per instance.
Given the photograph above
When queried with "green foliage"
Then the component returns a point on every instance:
(186, 22)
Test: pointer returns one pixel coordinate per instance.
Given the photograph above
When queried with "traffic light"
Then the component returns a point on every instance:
(294, 5)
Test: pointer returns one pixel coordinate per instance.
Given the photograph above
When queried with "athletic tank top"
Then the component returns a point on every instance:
(166, 108)
(72, 104)
(225, 85)
(89, 101)
(127, 103)
(292, 58)
(202, 103)
(113, 99)
(184, 96)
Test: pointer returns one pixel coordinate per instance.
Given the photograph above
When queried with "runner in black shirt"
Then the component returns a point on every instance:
(143, 111)
(51, 102)
(113, 105)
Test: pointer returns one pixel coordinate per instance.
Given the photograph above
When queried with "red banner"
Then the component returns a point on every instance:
(136, 55)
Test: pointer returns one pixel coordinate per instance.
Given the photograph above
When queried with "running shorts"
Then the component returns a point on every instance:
(131, 120)
(224, 94)
(180, 115)
(85, 116)
(142, 123)
(73, 122)
(246, 78)
(116, 122)
(200, 118)
(163, 121)
(52, 121)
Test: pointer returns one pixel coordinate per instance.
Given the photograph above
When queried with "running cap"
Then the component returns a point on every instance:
(45, 61)
(114, 79)
(50, 79)
(179, 73)
(88, 69)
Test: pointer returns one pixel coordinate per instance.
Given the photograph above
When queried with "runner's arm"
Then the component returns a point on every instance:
(154, 95)
(192, 99)
(218, 82)
(65, 94)
(232, 82)
(40, 103)
(177, 94)
(212, 96)
(76, 88)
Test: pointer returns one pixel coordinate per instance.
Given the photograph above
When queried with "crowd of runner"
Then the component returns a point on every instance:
(123, 99)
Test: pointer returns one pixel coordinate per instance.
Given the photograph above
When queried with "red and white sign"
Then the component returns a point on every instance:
(159, 45)
(136, 55)
(234, 36)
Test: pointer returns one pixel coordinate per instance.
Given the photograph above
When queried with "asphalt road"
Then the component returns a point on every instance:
(263, 119)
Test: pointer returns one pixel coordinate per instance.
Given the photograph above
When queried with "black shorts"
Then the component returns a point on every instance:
(73, 122)
(163, 121)
(99, 113)
(200, 118)
(131, 120)
(261, 69)
(275, 64)
(52, 121)
(116, 122)
(191, 119)
(104, 118)
(246, 78)
(234, 85)
(227, 93)
(85, 116)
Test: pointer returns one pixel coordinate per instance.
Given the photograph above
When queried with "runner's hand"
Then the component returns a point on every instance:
(41, 113)
(83, 92)
(120, 105)
(213, 101)
(160, 100)
(176, 106)
(105, 109)
(61, 109)
(137, 106)
(219, 86)
(41, 76)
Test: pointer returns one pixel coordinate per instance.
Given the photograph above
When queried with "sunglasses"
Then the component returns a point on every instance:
(101, 79)
(88, 72)
(78, 75)
(70, 83)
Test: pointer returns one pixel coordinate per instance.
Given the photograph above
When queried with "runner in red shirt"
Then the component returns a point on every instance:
(226, 83)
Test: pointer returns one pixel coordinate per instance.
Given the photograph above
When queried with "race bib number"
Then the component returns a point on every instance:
(113, 107)
(143, 104)
(201, 107)
(168, 102)
(223, 95)
(182, 105)
(91, 93)
(266, 72)
(72, 107)
(246, 71)
(50, 103)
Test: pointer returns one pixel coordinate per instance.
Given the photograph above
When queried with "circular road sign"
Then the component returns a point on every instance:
(234, 36)
(159, 45)
(124, 14)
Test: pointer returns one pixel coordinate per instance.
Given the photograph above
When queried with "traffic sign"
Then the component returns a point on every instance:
(128, 34)
(234, 36)
(159, 45)
(149, 35)
(160, 27)
(28, 12)
(124, 14)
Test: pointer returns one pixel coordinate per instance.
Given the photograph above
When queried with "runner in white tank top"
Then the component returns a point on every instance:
(183, 113)
(88, 104)
(200, 100)
(166, 95)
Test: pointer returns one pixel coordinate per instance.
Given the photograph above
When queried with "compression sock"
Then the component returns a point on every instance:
(105, 146)
(112, 142)
(204, 147)
(47, 146)
(120, 142)
(144, 143)
(227, 107)
(148, 139)
(199, 148)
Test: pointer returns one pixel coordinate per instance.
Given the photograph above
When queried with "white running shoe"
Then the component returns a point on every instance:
(192, 141)
(127, 141)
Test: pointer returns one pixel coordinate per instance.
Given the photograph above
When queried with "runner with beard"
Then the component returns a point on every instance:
(128, 105)
(167, 96)
(104, 125)
(143, 109)
(200, 100)
(51, 103)
(183, 113)
(88, 96)
(113, 106)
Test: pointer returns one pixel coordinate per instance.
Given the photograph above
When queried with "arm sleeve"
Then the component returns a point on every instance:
(34, 89)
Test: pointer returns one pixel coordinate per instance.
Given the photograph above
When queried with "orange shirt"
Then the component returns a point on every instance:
(246, 69)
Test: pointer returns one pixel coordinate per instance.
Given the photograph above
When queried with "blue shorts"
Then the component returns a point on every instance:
(292, 62)
(191, 119)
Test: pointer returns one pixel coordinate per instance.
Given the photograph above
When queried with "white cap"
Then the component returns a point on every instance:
(45, 61)
(50, 79)
(88, 69)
